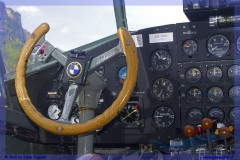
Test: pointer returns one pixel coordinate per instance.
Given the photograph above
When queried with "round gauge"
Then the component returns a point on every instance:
(162, 89)
(238, 44)
(74, 120)
(122, 73)
(234, 72)
(194, 116)
(190, 47)
(163, 117)
(216, 114)
(54, 112)
(101, 70)
(194, 95)
(130, 115)
(161, 60)
(218, 45)
(215, 94)
(214, 73)
(234, 112)
(234, 93)
(193, 75)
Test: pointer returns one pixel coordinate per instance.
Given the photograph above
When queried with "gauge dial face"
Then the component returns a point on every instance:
(194, 116)
(216, 114)
(161, 60)
(162, 89)
(130, 115)
(194, 95)
(74, 120)
(193, 75)
(214, 73)
(122, 74)
(234, 72)
(215, 94)
(218, 45)
(190, 47)
(234, 93)
(234, 112)
(163, 117)
(238, 44)
(54, 112)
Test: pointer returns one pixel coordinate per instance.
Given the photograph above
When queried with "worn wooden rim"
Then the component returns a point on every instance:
(99, 121)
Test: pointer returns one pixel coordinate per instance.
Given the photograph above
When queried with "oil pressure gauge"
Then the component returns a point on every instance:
(161, 60)
(190, 47)
(214, 73)
(163, 117)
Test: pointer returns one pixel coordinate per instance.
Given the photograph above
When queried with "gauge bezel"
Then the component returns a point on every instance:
(154, 121)
(187, 113)
(193, 67)
(214, 54)
(153, 53)
(190, 55)
(213, 80)
(222, 110)
(166, 98)
(208, 94)
(192, 89)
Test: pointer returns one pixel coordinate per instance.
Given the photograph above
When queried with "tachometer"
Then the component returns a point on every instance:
(215, 94)
(163, 117)
(216, 114)
(190, 47)
(214, 73)
(161, 60)
(130, 115)
(162, 89)
(193, 75)
(218, 45)
(194, 116)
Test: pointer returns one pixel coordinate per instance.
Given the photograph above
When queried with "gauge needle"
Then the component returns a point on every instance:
(53, 113)
(214, 48)
(158, 56)
(135, 110)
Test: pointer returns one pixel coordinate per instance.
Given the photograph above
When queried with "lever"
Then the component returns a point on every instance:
(207, 124)
(224, 133)
(189, 131)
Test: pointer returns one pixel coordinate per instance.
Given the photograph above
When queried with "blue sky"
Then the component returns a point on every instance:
(73, 26)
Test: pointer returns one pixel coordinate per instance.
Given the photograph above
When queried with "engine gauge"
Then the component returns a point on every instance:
(238, 44)
(193, 75)
(190, 47)
(54, 112)
(233, 113)
(234, 93)
(194, 95)
(216, 114)
(218, 45)
(234, 72)
(214, 73)
(130, 115)
(194, 116)
(122, 74)
(162, 89)
(163, 117)
(161, 60)
(215, 94)
(74, 120)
